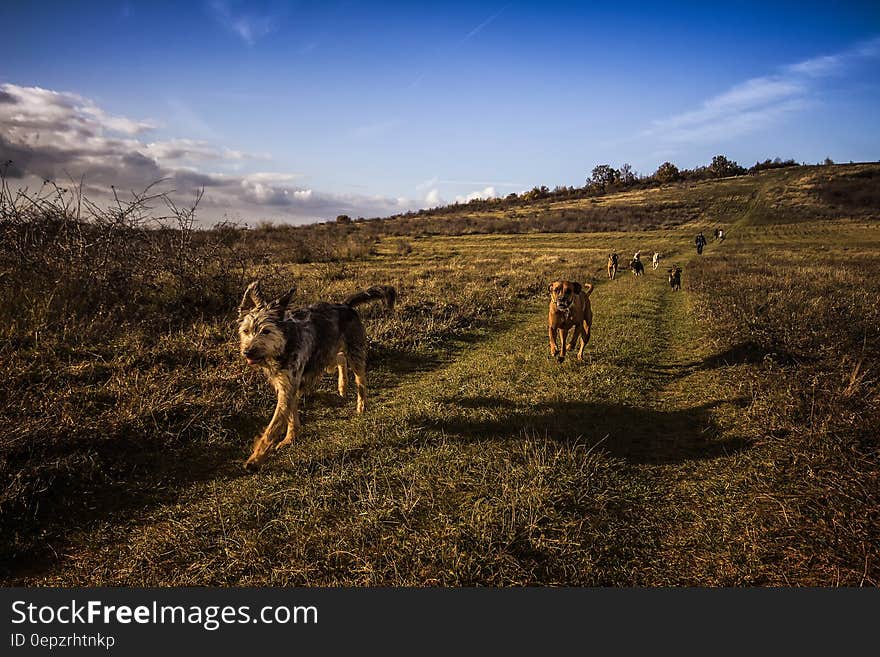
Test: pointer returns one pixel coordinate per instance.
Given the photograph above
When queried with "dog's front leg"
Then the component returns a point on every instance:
(553, 347)
(585, 338)
(280, 419)
(563, 334)
(576, 334)
(294, 426)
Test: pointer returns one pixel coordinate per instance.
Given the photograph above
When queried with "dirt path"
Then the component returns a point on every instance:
(696, 449)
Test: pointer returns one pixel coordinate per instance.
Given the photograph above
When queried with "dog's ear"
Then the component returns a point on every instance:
(550, 288)
(578, 288)
(283, 301)
(252, 298)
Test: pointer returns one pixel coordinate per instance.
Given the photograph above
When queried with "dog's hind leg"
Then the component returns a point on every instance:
(359, 367)
(342, 368)
(356, 355)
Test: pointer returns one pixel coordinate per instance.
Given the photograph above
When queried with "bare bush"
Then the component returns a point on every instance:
(66, 261)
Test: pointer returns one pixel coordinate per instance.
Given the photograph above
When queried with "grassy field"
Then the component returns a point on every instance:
(720, 435)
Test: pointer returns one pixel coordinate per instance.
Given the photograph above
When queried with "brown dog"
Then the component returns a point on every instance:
(612, 266)
(569, 309)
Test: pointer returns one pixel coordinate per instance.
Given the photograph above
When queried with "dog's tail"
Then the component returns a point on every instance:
(384, 293)
(586, 289)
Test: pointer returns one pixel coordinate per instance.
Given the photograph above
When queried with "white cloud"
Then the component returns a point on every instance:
(434, 198)
(64, 111)
(193, 150)
(116, 123)
(488, 192)
(817, 66)
(759, 102)
(250, 27)
(431, 182)
(272, 177)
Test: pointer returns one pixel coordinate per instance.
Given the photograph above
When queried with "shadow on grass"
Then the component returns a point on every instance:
(400, 361)
(64, 484)
(82, 483)
(743, 353)
(751, 353)
(638, 435)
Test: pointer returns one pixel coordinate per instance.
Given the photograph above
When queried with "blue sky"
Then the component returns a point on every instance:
(299, 111)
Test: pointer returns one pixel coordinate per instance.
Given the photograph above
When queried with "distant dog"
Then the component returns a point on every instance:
(294, 348)
(655, 261)
(569, 309)
(612, 266)
(637, 267)
(675, 278)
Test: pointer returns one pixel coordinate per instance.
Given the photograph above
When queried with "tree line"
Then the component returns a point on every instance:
(604, 179)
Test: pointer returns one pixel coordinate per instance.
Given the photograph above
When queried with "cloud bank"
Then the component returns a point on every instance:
(50, 135)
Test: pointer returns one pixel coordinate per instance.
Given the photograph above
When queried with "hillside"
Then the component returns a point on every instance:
(720, 435)
(786, 195)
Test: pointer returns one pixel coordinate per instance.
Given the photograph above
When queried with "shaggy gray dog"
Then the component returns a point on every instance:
(295, 348)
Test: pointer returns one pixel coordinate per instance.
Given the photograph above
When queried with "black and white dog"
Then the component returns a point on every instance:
(675, 278)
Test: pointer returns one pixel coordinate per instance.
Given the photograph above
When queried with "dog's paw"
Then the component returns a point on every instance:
(559, 359)
(284, 443)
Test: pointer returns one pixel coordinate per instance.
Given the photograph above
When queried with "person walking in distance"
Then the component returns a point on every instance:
(700, 242)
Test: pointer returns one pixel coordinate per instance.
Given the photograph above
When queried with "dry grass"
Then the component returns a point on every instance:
(802, 324)
(721, 435)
